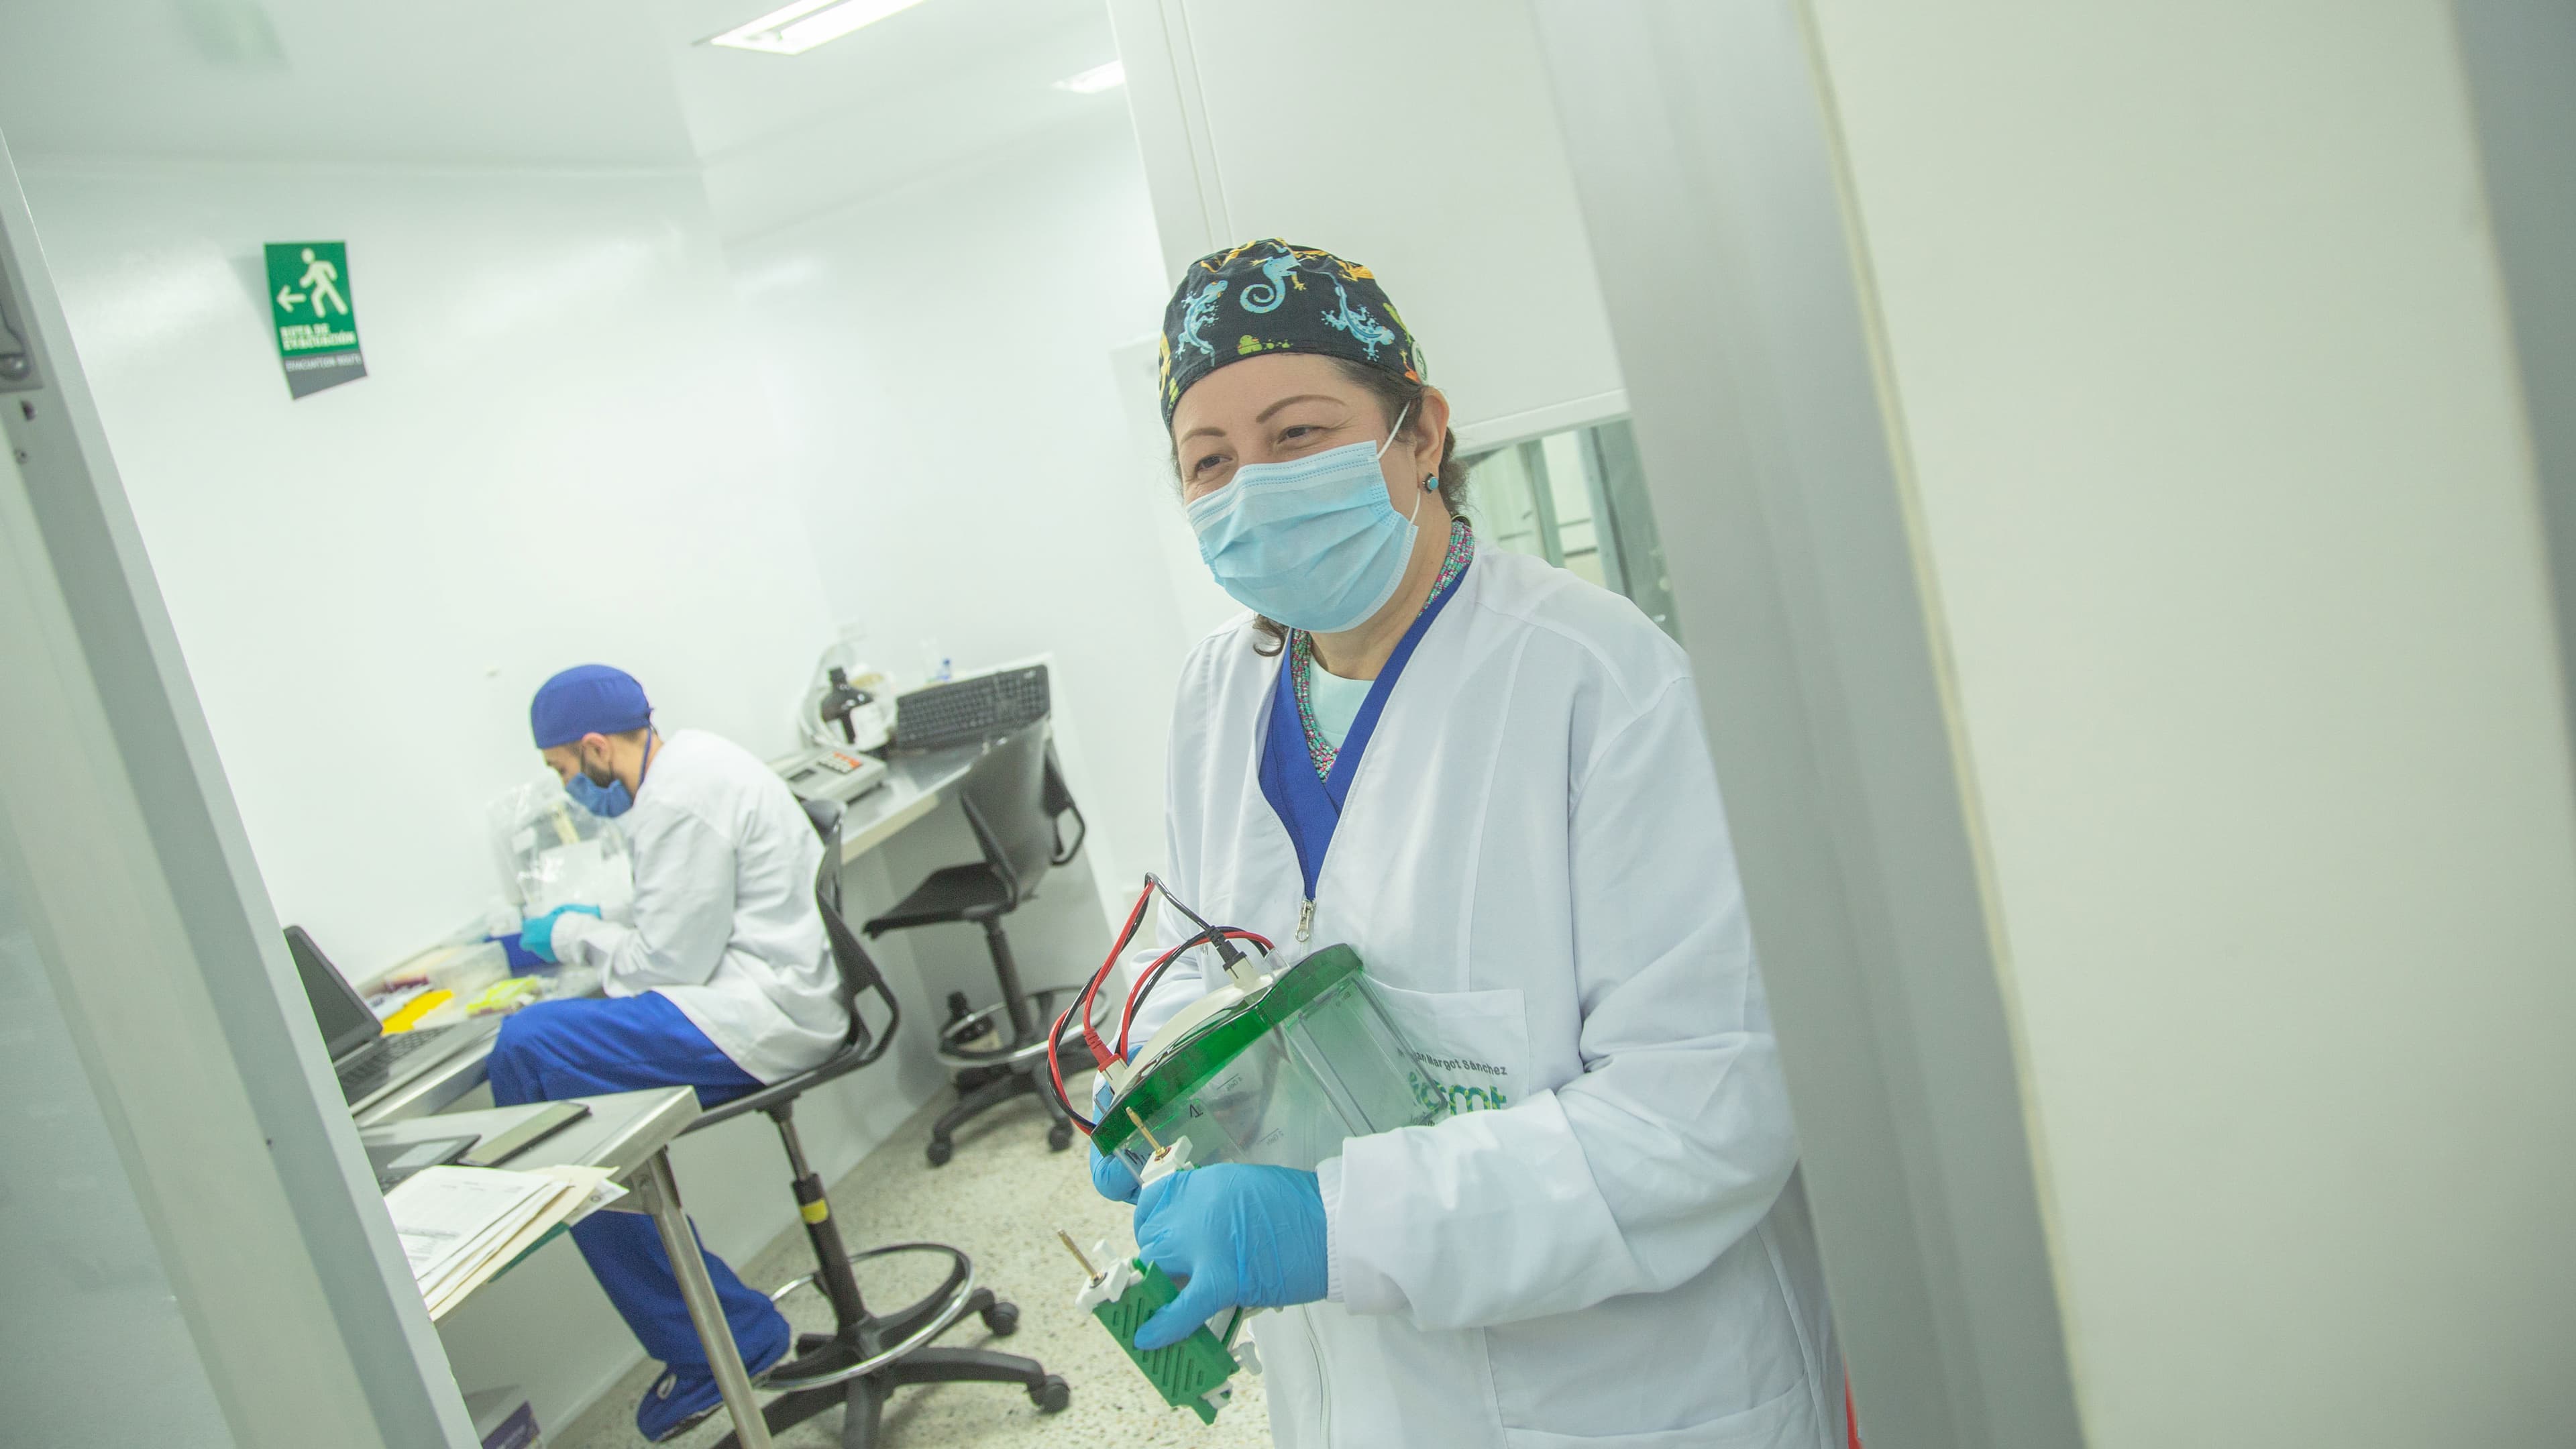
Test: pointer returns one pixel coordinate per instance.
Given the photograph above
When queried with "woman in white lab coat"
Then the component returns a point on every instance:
(1489, 777)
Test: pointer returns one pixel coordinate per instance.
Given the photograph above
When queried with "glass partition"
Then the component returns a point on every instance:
(1578, 500)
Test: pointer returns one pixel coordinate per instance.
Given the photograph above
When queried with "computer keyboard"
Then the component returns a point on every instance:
(970, 710)
(378, 1066)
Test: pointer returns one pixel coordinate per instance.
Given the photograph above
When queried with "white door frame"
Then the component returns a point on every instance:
(1704, 152)
(2515, 55)
(160, 943)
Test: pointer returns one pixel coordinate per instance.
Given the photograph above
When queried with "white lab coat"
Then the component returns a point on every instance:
(1534, 865)
(725, 922)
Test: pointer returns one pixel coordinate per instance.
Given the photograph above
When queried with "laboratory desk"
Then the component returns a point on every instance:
(914, 786)
(630, 1134)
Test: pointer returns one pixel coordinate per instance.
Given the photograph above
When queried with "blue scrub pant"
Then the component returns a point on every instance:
(558, 1049)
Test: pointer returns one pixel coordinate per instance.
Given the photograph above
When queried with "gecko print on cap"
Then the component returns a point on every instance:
(1195, 313)
(1278, 275)
(1363, 329)
(1271, 296)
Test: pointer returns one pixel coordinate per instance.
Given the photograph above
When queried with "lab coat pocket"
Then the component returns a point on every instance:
(1469, 1048)
(1714, 1361)
(1785, 1422)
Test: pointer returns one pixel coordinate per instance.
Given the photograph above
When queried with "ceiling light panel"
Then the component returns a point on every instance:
(798, 28)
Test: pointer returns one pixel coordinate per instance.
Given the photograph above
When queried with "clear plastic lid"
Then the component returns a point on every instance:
(1178, 1074)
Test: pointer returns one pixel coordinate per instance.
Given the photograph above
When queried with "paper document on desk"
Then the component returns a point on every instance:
(460, 1226)
(599, 1191)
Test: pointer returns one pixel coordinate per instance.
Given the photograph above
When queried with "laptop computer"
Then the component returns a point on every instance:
(370, 1064)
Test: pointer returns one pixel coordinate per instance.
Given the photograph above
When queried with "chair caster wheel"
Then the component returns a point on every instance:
(1059, 1137)
(939, 1151)
(1002, 1319)
(1052, 1395)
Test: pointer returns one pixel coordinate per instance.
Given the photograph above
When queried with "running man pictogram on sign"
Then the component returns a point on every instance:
(320, 282)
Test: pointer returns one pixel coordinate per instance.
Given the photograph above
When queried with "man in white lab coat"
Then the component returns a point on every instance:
(723, 981)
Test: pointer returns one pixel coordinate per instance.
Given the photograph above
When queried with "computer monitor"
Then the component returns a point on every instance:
(347, 1024)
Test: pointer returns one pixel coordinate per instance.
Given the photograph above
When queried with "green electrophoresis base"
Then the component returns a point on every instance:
(1183, 1373)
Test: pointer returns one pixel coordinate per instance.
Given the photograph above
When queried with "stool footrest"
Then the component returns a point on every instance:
(959, 1288)
(974, 1024)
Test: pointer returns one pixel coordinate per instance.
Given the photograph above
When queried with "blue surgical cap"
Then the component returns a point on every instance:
(588, 699)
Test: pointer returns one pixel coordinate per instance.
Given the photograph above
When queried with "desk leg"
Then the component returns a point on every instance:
(661, 1194)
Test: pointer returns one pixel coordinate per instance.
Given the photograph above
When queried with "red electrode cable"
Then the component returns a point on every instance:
(1081, 1010)
(1145, 979)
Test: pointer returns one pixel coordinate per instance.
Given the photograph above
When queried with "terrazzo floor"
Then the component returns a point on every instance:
(1001, 1200)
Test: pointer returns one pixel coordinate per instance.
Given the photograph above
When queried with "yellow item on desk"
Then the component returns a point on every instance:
(416, 1008)
(509, 995)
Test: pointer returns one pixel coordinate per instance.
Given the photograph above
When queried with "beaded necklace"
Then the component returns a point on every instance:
(1462, 550)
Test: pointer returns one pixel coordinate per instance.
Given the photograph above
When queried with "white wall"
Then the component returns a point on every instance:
(1417, 139)
(940, 360)
(561, 454)
(2194, 325)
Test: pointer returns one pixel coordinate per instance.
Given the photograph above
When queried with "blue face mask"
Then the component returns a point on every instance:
(613, 799)
(605, 801)
(1312, 543)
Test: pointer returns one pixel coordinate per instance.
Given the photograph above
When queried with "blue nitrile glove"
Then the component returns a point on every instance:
(538, 935)
(1242, 1236)
(1110, 1176)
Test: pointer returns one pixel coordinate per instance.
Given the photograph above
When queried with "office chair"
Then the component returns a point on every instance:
(1012, 800)
(866, 1356)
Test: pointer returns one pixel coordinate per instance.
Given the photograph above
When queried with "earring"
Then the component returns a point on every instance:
(1431, 483)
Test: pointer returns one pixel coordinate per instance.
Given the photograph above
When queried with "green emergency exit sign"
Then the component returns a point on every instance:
(315, 317)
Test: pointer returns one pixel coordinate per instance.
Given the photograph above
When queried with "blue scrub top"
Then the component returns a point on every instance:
(1308, 807)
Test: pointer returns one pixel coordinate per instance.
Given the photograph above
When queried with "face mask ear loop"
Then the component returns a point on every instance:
(1391, 435)
(1392, 432)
